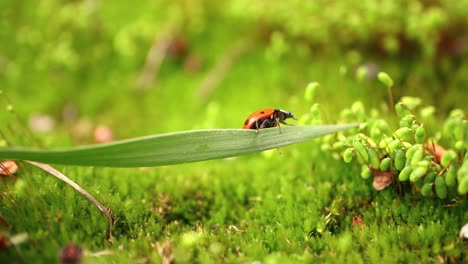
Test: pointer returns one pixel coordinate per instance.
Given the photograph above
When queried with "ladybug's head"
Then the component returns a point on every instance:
(282, 114)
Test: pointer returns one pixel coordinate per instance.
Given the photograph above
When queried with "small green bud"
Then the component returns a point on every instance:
(426, 190)
(463, 171)
(361, 73)
(384, 142)
(341, 137)
(315, 112)
(383, 127)
(420, 135)
(459, 145)
(417, 157)
(401, 110)
(407, 145)
(375, 134)
(385, 79)
(430, 177)
(310, 91)
(463, 186)
(374, 159)
(361, 151)
(404, 133)
(325, 147)
(303, 120)
(427, 112)
(347, 114)
(451, 175)
(395, 144)
(450, 126)
(385, 164)
(400, 159)
(405, 173)
(343, 70)
(407, 121)
(358, 109)
(411, 102)
(362, 126)
(338, 145)
(448, 157)
(418, 173)
(348, 155)
(410, 152)
(456, 113)
(458, 132)
(426, 162)
(9, 108)
(440, 187)
(365, 172)
(419, 183)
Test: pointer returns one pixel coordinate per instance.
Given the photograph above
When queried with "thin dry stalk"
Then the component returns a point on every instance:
(154, 59)
(75, 186)
(211, 81)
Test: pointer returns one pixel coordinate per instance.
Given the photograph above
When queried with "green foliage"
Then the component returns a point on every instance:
(392, 27)
(415, 157)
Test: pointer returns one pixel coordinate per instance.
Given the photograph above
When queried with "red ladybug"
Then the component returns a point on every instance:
(267, 117)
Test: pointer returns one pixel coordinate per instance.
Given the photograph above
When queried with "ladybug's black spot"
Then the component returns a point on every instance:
(246, 122)
(262, 112)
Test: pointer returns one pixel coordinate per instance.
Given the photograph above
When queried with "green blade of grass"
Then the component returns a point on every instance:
(174, 148)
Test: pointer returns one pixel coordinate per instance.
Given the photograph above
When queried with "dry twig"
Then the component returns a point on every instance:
(222, 67)
(154, 59)
(75, 186)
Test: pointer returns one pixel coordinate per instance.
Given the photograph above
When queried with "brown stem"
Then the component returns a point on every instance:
(222, 67)
(75, 186)
(154, 59)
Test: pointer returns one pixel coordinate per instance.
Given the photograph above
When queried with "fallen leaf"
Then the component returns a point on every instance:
(8, 167)
(382, 179)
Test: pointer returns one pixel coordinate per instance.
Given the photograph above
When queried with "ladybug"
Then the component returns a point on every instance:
(265, 118)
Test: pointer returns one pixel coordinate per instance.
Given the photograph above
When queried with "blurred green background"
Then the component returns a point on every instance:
(157, 66)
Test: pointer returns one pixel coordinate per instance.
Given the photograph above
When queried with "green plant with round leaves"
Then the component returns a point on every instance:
(411, 150)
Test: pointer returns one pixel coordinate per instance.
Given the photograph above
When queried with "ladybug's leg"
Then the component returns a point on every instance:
(278, 121)
(262, 124)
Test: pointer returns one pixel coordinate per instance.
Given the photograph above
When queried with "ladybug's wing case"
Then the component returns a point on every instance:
(252, 119)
